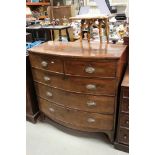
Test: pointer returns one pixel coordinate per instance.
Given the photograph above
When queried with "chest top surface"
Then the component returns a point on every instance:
(80, 50)
(125, 81)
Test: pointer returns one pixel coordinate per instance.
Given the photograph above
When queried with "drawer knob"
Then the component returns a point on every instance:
(49, 94)
(91, 120)
(52, 62)
(127, 122)
(125, 137)
(89, 70)
(91, 87)
(44, 63)
(51, 110)
(91, 103)
(46, 78)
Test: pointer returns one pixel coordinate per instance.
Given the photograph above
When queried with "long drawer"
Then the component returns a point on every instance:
(46, 62)
(76, 84)
(90, 103)
(75, 117)
(90, 69)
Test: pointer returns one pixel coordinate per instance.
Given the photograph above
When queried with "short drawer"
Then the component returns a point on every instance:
(46, 62)
(76, 84)
(89, 103)
(126, 92)
(124, 120)
(125, 105)
(91, 69)
(75, 117)
(123, 136)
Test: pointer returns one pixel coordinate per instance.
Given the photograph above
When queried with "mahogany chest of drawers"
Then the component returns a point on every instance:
(77, 84)
(32, 109)
(122, 137)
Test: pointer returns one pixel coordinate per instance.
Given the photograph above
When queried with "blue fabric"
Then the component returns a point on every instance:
(32, 44)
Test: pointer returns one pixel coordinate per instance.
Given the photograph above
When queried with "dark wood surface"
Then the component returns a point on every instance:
(32, 109)
(76, 84)
(82, 50)
(65, 87)
(102, 104)
(122, 134)
(75, 117)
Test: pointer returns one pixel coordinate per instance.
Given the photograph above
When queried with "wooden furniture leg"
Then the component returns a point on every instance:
(60, 36)
(53, 37)
(107, 30)
(67, 34)
(82, 26)
(100, 29)
(88, 33)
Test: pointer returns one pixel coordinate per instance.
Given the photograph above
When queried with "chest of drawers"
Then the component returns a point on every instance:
(77, 85)
(32, 109)
(122, 137)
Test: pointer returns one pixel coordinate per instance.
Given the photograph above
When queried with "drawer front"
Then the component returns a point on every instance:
(89, 103)
(75, 117)
(126, 92)
(90, 69)
(124, 120)
(123, 136)
(76, 84)
(125, 105)
(46, 62)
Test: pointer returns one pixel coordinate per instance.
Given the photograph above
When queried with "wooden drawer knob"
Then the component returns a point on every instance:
(91, 87)
(91, 120)
(91, 103)
(49, 94)
(89, 70)
(46, 78)
(44, 64)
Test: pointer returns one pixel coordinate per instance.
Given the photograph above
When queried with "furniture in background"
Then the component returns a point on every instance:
(122, 136)
(36, 32)
(46, 32)
(77, 84)
(59, 28)
(32, 109)
(58, 12)
(39, 6)
(29, 37)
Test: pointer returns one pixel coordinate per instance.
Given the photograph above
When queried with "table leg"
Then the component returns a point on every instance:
(53, 37)
(107, 30)
(37, 35)
(45, 32)
(60, 36)
(100, 29)
(82, 26)
(67, 34)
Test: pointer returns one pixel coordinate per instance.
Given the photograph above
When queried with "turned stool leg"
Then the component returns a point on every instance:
(100, 29)
(107, 29)
(82, 26)
(88, 33)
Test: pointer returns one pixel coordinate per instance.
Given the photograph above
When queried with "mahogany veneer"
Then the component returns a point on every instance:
(77, 84)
